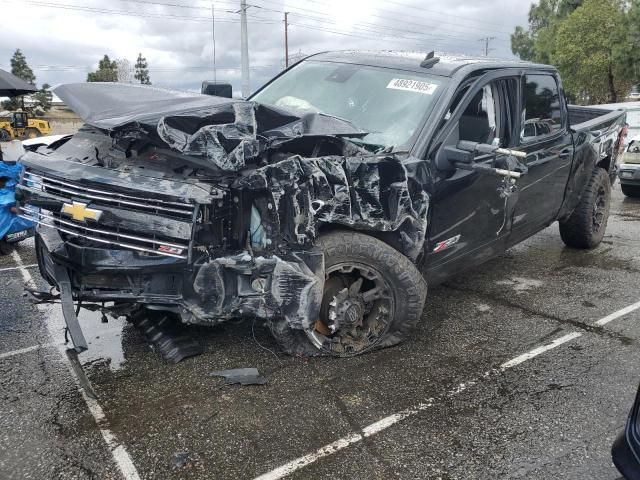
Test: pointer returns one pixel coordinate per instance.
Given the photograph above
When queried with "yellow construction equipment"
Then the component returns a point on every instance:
(19, 126)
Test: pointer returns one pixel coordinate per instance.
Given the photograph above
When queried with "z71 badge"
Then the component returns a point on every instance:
(450, 242)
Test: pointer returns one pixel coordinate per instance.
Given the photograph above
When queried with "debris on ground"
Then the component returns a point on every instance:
(168, 337)
(180, 459)
(243, 376)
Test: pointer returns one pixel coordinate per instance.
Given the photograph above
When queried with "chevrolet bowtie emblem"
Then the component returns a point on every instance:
(79, 211)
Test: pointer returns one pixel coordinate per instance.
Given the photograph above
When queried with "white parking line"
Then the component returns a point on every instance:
(386, 422)
(537, 351)
(620, 313)
(18, 268)
(24, 350)
(54, 326)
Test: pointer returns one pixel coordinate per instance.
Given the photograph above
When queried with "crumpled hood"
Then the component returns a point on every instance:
(226, 132)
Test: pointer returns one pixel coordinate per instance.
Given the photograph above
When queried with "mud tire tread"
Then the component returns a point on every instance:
(576, 231)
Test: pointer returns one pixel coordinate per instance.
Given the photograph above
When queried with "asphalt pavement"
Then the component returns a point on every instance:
(525, 367)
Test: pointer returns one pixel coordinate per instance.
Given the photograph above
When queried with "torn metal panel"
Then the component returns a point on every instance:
(265, 286)
(298, 195)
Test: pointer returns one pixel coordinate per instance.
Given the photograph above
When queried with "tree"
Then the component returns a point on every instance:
(142, 70)
(43, 98)
(21, 69)
(586, 49)
(107, 71)
(537, 43)
(628, 50)
(124, 70)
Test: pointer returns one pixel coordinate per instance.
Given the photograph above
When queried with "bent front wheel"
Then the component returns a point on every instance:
(373, 297)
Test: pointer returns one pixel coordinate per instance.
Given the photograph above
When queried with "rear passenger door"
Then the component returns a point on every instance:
(545, 136)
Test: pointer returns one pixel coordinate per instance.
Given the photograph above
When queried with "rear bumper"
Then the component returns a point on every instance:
(210, 290)
(629, 173)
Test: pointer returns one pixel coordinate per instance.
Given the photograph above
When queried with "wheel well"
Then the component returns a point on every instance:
(390, 238)
(605, 163)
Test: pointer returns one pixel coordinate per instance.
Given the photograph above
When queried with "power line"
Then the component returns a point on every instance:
(133, 14)
(446, 14)
(369, 27)
(403, 20)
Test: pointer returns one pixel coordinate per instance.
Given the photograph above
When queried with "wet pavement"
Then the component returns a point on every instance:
(553, 416)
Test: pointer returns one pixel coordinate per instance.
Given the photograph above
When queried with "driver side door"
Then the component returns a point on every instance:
(472, 210)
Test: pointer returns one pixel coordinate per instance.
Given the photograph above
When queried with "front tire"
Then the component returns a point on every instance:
(631, 191)
(32, 133)
(373, 298)
(587, 224)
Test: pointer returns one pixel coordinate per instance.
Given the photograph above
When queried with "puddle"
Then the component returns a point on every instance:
(520, 284)
(104, 339)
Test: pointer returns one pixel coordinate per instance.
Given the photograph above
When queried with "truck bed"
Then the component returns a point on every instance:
(589, 118)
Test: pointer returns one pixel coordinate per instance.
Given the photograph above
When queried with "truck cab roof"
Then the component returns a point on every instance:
(447, 66)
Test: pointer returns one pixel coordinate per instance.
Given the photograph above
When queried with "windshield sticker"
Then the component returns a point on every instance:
(412, 86)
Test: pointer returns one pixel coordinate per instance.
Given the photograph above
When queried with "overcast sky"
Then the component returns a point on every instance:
(64, 39)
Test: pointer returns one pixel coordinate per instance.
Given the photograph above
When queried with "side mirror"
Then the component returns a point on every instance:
(463, 155)
(456, 155)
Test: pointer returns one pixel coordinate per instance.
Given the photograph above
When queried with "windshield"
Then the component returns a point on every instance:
(388, 104)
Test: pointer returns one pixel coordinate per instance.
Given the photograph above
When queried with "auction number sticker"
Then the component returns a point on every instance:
(412, 86)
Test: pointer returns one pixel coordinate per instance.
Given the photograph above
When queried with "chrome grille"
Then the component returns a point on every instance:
(105, 235)
(68, 189)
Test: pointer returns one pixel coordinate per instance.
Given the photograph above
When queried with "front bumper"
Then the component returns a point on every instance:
(212, 289)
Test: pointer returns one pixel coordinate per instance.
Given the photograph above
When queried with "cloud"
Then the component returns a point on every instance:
(63, 44)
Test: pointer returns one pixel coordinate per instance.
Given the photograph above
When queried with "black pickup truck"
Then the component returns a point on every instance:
(325, 203)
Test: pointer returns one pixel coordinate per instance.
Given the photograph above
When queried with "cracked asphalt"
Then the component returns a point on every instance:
(554, 416)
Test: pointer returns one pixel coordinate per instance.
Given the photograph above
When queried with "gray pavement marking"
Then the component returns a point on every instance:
(25, 350)
(118, 451)
(390, 420)
(18, 268)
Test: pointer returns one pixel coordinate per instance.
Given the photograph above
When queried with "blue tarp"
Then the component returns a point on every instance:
(10, 222)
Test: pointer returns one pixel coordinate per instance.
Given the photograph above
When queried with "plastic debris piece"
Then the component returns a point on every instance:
(243, 376)
(180, 459)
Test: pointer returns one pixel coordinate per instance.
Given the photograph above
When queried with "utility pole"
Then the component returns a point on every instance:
(286, 39)
(486, 41)
(213, 34)
(244, 49)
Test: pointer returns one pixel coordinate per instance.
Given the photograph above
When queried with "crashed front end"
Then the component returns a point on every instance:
(209, 211)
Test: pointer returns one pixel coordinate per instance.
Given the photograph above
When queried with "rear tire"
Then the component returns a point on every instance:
(632, 191)
(587, 224)
(4, 135)
(373, 298)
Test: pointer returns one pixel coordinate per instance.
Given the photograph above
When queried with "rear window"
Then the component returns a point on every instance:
(542, 114)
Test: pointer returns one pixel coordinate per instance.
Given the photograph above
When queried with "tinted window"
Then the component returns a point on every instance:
(542, 112)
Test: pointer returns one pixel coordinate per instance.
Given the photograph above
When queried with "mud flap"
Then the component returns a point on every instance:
(68, 309)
